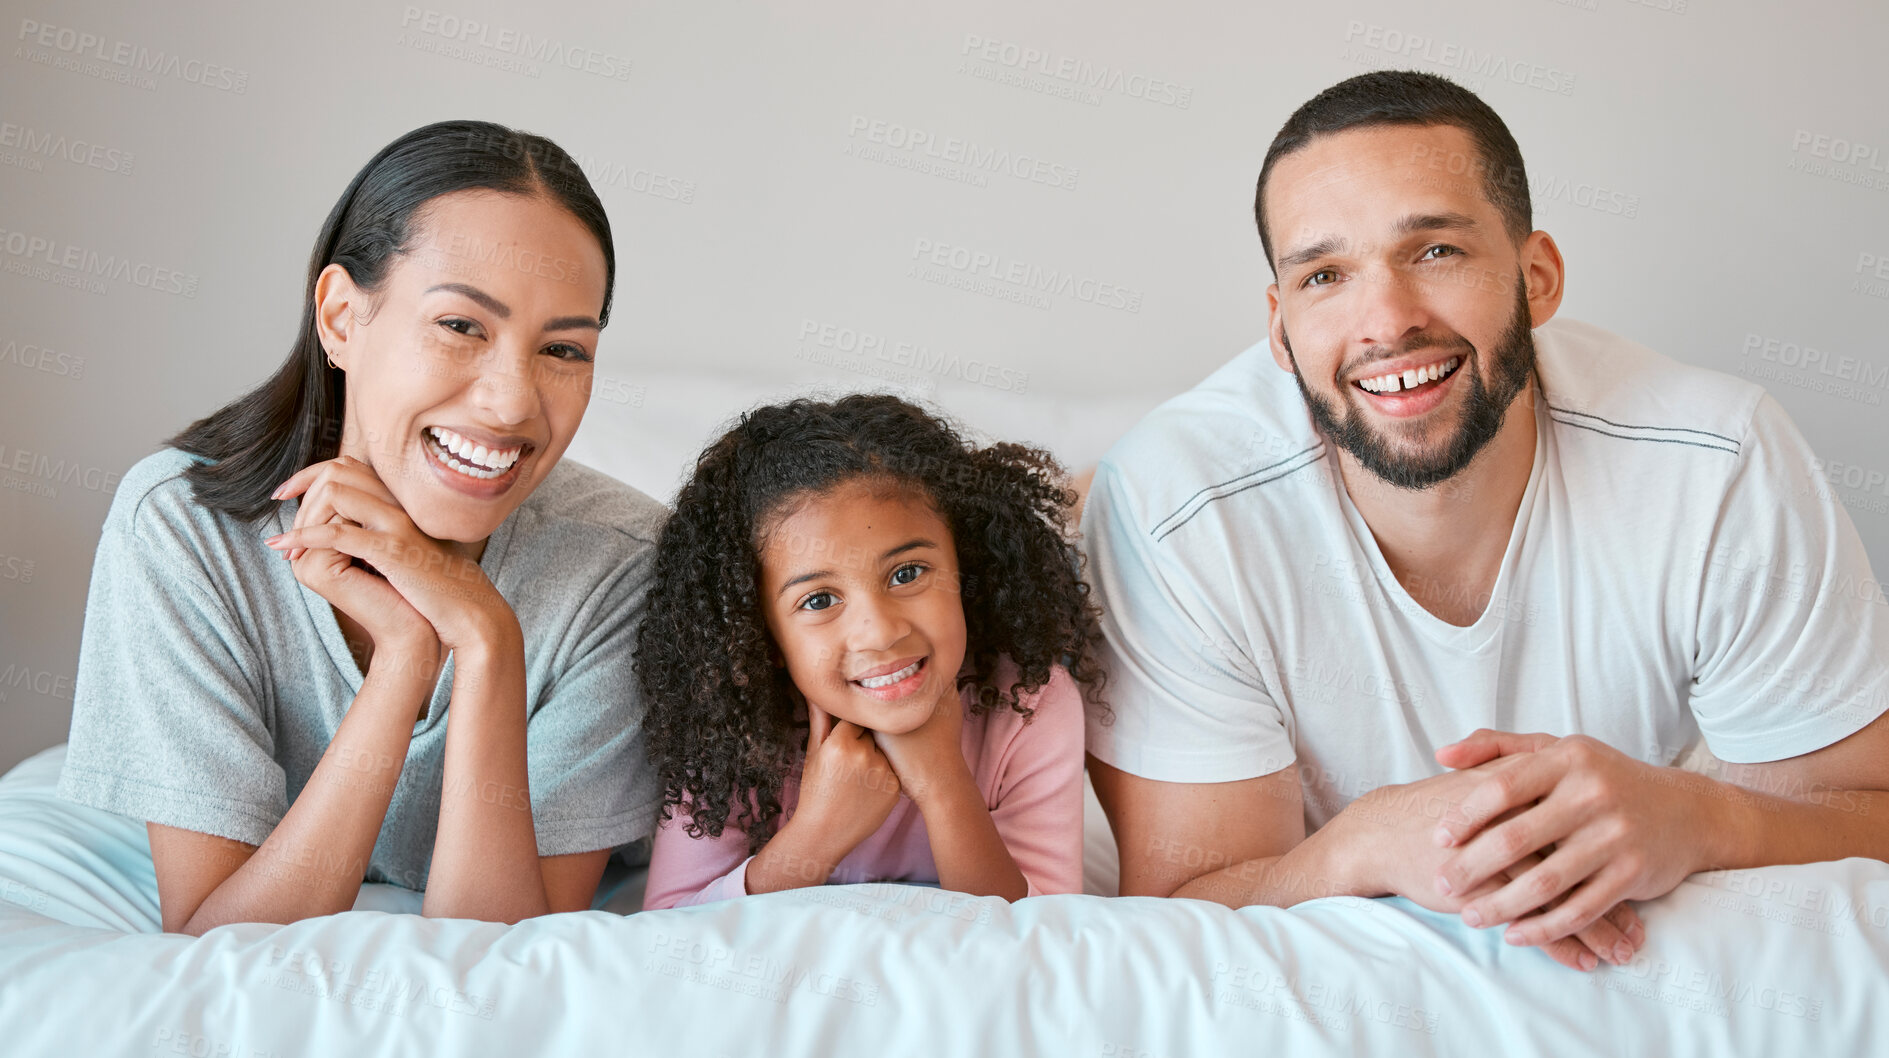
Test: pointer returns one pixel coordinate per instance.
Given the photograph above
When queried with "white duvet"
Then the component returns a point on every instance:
(1783, 961)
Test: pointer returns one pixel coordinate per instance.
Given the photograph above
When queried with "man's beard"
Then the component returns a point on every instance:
(1483, 408)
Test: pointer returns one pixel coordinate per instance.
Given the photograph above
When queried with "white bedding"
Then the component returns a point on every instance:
(1783, 961)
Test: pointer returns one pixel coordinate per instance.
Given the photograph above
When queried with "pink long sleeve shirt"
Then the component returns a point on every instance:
(1030, 776)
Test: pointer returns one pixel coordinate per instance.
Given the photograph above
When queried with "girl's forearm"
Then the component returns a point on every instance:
(315, 859)
(970, 855)
(485, 855)
(794, 858)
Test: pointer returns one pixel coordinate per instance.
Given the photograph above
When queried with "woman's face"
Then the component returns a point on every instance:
(469, 370)
(860, 590)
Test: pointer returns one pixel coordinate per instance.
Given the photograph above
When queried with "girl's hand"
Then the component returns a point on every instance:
(347, 510)
(847, 787)
(930, 755)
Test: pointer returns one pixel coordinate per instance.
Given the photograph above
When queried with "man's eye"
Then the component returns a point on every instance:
(913, 568)
(1310, 280)
(809, 603)
(1452, 251)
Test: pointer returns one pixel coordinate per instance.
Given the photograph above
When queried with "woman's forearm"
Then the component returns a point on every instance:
(485, 855)
(315, 859)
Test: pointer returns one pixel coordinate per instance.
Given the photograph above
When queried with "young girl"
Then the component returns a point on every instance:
(861, 658)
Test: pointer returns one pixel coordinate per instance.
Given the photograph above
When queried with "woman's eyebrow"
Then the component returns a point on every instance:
(504, 312)
(486, 301)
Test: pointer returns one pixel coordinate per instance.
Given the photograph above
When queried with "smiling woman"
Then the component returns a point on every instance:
(280, 718)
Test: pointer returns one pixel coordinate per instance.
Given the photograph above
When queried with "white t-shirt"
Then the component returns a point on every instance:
(1677, 568)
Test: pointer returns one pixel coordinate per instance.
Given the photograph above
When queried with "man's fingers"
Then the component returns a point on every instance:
(1487, 744)
(1572, 954)
(1605, 939)
(1515, 834)
(1586, 903)
(1629, 923)
(1564, 869)
(1527, 779)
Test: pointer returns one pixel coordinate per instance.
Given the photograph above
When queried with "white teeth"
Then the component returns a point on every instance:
(891, 678)
(1416, 376)
(498, 460)
(460, 455)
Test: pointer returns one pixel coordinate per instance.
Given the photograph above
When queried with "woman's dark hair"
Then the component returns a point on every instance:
(294, 419)
(1408, 97)
(720, 720)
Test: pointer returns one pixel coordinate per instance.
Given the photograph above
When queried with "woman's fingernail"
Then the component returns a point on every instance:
(1623, 953)
(271, 541)
(1588, 961)
(1471, 917)
(1443, 885)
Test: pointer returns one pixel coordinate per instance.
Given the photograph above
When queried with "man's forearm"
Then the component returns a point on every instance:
(1759, 828)
(1321, 865)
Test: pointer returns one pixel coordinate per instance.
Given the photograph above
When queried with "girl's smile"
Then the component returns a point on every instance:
(890, 684)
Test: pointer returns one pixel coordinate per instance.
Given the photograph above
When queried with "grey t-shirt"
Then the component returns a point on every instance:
(211, 681)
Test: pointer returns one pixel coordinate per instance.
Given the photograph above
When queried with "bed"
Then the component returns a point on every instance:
(1781, 961)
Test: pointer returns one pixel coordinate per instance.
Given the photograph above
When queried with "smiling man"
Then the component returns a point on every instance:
(1347, 572)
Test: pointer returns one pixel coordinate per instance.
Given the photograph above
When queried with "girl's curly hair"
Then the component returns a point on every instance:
(720, 719)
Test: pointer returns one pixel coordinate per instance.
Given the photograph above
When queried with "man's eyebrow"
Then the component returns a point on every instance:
(503, 311)
(1413, 222)
(1437, 222)
(1328, 245)
(816, 574)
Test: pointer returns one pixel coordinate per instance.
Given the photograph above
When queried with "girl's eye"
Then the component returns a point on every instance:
(1453, 251)
(1321, 272)
(567, 351)
(913, 568)
(809, 603)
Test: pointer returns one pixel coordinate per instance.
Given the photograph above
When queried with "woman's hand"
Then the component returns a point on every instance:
(348, 512)
(930, 756)
(847, 787)
(373, 602)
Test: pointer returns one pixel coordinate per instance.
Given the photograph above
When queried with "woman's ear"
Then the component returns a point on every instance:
(337, 303)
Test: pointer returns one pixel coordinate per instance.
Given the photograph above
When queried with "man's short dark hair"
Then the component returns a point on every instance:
(1409, 97)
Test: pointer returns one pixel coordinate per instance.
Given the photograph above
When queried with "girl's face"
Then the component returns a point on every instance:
(469, 371)
(860, 588)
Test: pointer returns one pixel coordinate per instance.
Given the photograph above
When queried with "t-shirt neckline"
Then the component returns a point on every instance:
(1475, 637)
(322, 613)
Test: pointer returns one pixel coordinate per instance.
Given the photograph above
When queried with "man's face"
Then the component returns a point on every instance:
(1400, 303)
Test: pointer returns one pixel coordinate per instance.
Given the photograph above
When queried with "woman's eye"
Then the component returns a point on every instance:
(453, 324)
(814, 601)
(567, 351)
(1310, 280)
(898, 575)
